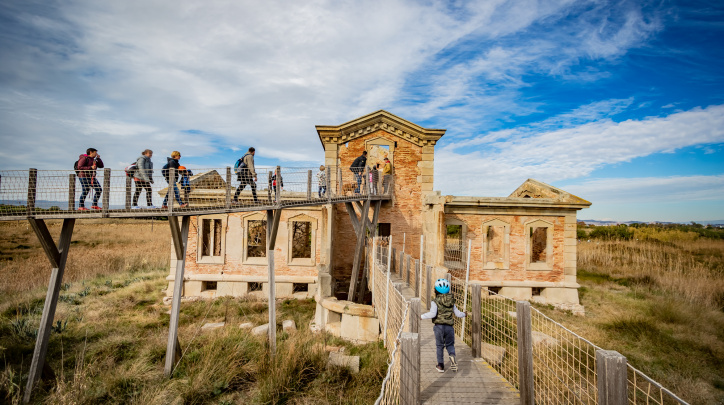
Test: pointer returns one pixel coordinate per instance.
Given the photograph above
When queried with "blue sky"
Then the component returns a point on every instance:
(621, 103)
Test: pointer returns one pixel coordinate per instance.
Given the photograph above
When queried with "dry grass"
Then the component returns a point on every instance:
(660, 303)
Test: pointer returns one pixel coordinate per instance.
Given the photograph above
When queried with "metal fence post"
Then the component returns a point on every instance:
(428, 287)
(475, 331)
(129, 181)
(71, 192)
(309, 184)
(328, 182)
(525, 353)
(228, 187)
(409, 368)
(465, 295)
(612, 381)
(32, 191)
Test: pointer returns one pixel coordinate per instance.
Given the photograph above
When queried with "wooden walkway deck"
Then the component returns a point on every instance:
(474, 383)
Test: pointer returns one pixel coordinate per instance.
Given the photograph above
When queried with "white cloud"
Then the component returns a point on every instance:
(654, 190)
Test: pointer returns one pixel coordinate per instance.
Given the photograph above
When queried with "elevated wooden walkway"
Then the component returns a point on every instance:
(475, 382)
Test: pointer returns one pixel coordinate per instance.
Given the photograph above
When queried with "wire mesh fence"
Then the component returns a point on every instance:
(644, 390)
(106, 192)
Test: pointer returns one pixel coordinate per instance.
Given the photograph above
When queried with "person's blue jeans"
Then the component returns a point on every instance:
(444, 338)
(89, 183)
(176, 194)
(322, 191)
(358, 177)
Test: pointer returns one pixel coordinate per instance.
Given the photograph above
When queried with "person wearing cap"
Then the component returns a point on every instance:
(172, 163)
(184, 179)
(87, 165)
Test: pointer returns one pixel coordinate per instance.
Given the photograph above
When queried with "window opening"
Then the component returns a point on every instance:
(495, 290)
(211, 230)
(254, 286)
(538, 242)
(537, 291)
(208, 285)
(384, 229)
(301, 240)
(495, 249)
(300, 287)
(256, 239)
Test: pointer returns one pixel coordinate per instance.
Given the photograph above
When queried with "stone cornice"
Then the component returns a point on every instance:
(390, 123)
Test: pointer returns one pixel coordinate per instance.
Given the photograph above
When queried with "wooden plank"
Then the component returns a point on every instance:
(51, 302)
(418, 278)
(178, 286)
(106, 192)
(525, 353)
(476, 303)
(272, 221)
(71, 192)
(415, 312)
(375, 218)
(32, 191)
(228, 188)
(352, 217)
(278, 188)
(176, 237)
(409, 368)
(46, 241)
(612, 384)
(170, 193)
(358, 251)
(428, 287)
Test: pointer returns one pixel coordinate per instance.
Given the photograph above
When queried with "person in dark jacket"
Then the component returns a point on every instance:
(172, 164)
(247, 175)
(143, 177)
(442, 313)
(358, 167)
(87, 165)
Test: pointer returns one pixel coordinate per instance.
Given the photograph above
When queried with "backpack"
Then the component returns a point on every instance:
(240, 165)
(131, 169)
(75, 167)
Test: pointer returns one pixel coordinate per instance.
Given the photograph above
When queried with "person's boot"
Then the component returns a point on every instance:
(453, 364)
(440, 368)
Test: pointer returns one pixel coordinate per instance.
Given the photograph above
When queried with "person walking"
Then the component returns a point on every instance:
(386, 175)
(374, 178)
(322, 181)
(86, 169)
(358, 167)
(143, 177)
(185, 175)
(172, 164)
(442, 311)
(246, 174)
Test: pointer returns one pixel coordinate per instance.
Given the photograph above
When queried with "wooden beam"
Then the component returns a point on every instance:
(106, 192)
(358, 250)
(51, 302)
(180, 243)
(525, 353)
(352, 217)
(371, 227)
(46, 241)
(409, 368)
(32, 191)
(476, 303)
(611, 371)
(272, 226)
(71, 192)
(375, 218)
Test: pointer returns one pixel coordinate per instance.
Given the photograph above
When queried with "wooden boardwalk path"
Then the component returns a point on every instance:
(474, 383)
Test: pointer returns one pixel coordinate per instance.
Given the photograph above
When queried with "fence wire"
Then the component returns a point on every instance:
(114, 193)
(644, 390)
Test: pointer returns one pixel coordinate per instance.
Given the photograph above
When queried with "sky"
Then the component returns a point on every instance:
(618, 102)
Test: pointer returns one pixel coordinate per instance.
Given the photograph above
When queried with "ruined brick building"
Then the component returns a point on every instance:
(523, 245)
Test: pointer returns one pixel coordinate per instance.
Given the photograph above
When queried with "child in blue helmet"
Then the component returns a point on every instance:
(442, 310)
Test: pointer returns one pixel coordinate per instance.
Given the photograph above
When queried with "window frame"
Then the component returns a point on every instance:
(539, 266)
(200, 257)
(245, 236)
(487, 265)
(313, 224)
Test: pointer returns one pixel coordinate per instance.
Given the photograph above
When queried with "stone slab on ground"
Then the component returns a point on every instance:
(289, 326)
(246, 325)
(260, 330)
(540, 338)
(492, 354)
(212, 325)
(341, 360)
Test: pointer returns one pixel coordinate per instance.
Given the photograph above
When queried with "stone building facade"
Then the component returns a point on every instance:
(523, 245)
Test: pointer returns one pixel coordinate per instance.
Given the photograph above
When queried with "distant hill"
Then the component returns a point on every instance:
(606, 223)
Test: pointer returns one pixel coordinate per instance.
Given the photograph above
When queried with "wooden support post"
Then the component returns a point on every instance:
(272, 227)
(415, 312)
(170, 194)
(611, 374)
(525, 353)
(129, 190)
(278, 188)
(71, 192)
(393, 262)
(428, 287)
(402, 264)
(228, 187)
(352, 216)
(372, 228)
(408, 268)
(358, 250)
(32, 191)
(269, 188)
(106, 191)
(328, 183)
(475, 331)
(58, 256)
(366, 181)
(409, 368)
(309, 184)
(179, 238)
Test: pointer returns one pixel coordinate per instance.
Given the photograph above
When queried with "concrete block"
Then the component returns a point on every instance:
(232, 288)
(246, 325)
(289, 326)
(260, 330)
(517, 293)
(340, 360)
(492, 354)
(560, 295)
(192, 288)
(283, 290)
(212, 325)
(324, 286)
(426, 164)
(540, 338)
(360, 328)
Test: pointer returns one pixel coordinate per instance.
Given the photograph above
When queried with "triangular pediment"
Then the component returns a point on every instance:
(535, 189)
(379, 120)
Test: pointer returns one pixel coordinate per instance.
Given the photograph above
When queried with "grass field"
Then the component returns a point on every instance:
(109, 341)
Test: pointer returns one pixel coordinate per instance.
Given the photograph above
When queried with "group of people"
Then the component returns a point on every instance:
(142, 172)
(358, 168)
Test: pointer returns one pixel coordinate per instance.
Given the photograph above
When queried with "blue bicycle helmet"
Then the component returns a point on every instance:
(442, 286)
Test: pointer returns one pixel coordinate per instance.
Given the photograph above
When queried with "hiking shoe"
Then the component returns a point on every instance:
(440, 368)
(135, 207)
(95, 207)
(453, 364)
(152, 207)
(82, 209)
(183, 205)
(164, 207)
